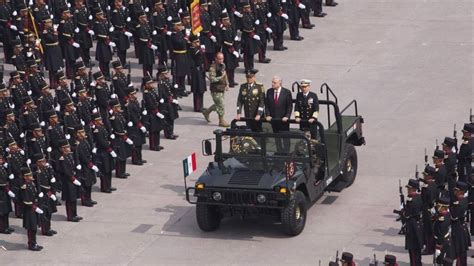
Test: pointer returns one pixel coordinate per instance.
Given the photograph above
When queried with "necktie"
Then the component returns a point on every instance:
(276, 97)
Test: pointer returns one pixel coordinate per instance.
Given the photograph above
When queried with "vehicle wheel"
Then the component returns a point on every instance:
(349, 167)
(208, 217)
(293, 217)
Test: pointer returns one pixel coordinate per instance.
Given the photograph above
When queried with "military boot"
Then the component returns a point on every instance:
(222, 122)
(206, 113)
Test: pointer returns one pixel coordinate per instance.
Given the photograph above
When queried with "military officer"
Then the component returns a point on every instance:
(412, 215)
(278, 19)
(83, 19)
(198, 75)
(85, 108)
(46, 102)
(169, 106)
(465, 154)
(103, 94)
(30, 114)
(82, 77)
(441, 174)
(120, 20)
(16, 160)
(262, 26)
(136, 130)
(252, 98)
(86, 169)
(250, 39)
(146, 45)
(37, 141)
(459, 230)
(55, 133)
(181, 64)
(121, 141)
(105, 45)
(207, 37)
(35, 79)
(70, 48)
(306, 106)
(442, 231)
(218, 86)
(152, 101)
(18, 89)
(160, 24)
(53, 58)
(119, 80)
(12, 128)
(62, 90)
(229, 48)
(5, 194)
(450, 156)
(29, 197)
(429, 194)
(71, 119)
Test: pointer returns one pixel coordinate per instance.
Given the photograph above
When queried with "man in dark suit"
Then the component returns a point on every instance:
(278, 107)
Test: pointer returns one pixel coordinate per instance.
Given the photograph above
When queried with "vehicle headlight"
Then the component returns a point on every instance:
(217, 196)
(261, 198)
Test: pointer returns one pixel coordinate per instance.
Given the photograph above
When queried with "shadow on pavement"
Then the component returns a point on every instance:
(388, 231)
(390, 248)
(11, 246)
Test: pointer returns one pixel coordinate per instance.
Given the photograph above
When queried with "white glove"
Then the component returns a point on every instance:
(13, 27)
(143, 129)
(129, 141)
(112, 136)
(169, 18)
(130, 85)
(14, 13)
(154, 32)
(55, 27)
(144, 112)
(29, 92)
(57, 108)
(49, 149)
(29, 54)
(224, 10)
(108, 8)
(22, 152)
(175, 101)
(39, 211)
(30, 3)
(256, 37)
(83, 123)
(94, 110)
(269, 15)
(12, 106)
(5, 165)
(128, 19)
(111, 28)
(90, 17)
(147, 9)
(76, 182)
(53, 180)
(7, 149)
(53, 197)
(76, 30)
(169, 33)
(95, 169)
(301, 6)
(236, 54)
(28, 162)
(203, 47)
(40, 194)
(257, 22)
(112, 44)
(213, 23)
(160, 115)
(180, 10)
(11, 177)
(113, 154)
(22, 135)
(11, 194)
(236, 38)
(113, 96)
(78, 167)
(94, 150)
(42, 123)
(238, 14)
(69, 5)
(162, 100)
(68, 136)
(130, 124)
(269, 30)
(153, 47)
(128, 34)
(93, 83)
(285, 16)
(437, 252)
(91, 32)
(213, 38)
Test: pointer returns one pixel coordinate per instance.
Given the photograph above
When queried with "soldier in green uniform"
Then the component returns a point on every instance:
(252, 98)
(218, 86)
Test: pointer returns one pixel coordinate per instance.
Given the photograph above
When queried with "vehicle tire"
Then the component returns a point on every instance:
(349, 167)
(208, 217)
(293, 216)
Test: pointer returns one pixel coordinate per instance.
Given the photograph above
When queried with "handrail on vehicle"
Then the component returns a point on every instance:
(328, 90)
(353, 102)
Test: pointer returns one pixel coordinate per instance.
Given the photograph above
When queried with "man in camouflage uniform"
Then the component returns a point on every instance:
(219, 85)
(252, 98)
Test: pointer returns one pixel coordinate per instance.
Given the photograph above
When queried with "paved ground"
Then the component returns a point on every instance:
(409, 63)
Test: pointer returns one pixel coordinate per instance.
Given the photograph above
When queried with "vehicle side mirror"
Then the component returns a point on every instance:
(207, 148)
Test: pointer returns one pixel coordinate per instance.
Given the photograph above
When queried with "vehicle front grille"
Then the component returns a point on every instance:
(245, 197)
(246, 178)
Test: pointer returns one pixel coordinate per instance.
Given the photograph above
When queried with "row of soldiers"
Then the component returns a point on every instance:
(62, 142)
(56, 33)
(438, 214)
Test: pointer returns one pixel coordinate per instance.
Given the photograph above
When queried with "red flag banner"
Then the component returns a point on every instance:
(195, 17)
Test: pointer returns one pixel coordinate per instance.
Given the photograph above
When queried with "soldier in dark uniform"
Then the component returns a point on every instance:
(306, 106)
(102, 94)
(317, 7)
(263, 29)
(198, 74)
(18, 89)
(429, 194)
(84, 37)
(181, 65)
(304, 10)
(229, 48)
(465, 155)
(29, 198)
(71, 119)
(55, 133)
(119, 80)
(412, 216)
(459, 230)
(252, 98)
(19, 58)
(160, 25)
(62, 91)
(30, 114)
(37, 142)
(5, 194)
(70, 48)
(278, 18)
(8, 29)
(347, 259)
(82, 77)
(86, 169)
(35, 79)
(291, 8)
(120, 20)
(169, 106)
(442, 232)
(105, 44)
(70, 182)
(207, 37)
(85, 108)
(104, 154)
(12, 128)
(53, 58)
(152, 101)
(147, 44)
(136, 130)
(47, 202)
(441, 173)
(16, 160)
(249, 38)
(121, 141)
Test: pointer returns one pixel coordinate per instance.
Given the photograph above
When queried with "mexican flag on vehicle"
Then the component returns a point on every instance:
(189, 164)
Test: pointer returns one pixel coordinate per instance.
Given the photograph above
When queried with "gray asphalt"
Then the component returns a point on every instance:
(409, 64)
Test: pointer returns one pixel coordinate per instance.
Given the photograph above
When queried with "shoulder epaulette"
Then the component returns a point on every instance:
(441, 218)
(24, 186)
(61, 158)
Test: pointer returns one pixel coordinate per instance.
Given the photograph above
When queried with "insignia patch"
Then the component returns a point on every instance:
(244, 92)
(255, 92)
(310, 101)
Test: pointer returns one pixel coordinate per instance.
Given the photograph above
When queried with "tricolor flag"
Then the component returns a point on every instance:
(189, 164)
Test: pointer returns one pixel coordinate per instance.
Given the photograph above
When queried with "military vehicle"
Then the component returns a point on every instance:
(277, 174)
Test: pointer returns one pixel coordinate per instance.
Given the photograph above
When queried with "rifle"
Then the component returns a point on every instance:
(437, 146)
(417, 173)
(426, 158)
(337, 256)
(400, 212)
(455, 134)
(375, 261)
(471, 116)
(129, 74)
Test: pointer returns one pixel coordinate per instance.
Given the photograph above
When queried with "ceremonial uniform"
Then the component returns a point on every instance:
(121, 142)
(84, 36)
(67, 42)
(47, 202)
(87, 171)
(152, 100)
(230, 51)
(104, 48)
(198, 78)
(119, 80)
(428, 195)
(136, 130)
(16, 160)
(104, 155)
(181, 66)
(306, 107)
(249, 43)
(252, 98)
(414, 230)
(29, 200)
(5, 202)
(146, 48)
(442, 235)
(53, 58)
(207, 37)
(169, 107)
(278, 19)
(121, 38)
(70, 192)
